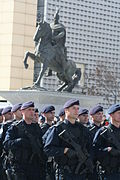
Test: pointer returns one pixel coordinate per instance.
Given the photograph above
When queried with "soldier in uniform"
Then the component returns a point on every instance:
(10, 115)
(83, 117)
(66, 156)
(49, 113)
(97, 117)
(7, 121)
(107, 146)
(23, 143)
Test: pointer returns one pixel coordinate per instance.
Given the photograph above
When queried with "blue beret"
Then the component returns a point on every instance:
(113, 108)
(6, 110)
(27, 105)
(96, 109)
(16, 107)
(70, 103)
(1, 109)
(83, 111)
(61, 112)
(47, 109)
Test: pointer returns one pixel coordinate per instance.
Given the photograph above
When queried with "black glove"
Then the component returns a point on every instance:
(71, 153)
(22, 142)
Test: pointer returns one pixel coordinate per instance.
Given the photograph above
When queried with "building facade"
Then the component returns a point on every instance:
(17, 26)
(93, 38)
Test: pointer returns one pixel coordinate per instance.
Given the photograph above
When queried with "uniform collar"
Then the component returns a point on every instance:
(66, 121)
(32, 124)
(96, 125)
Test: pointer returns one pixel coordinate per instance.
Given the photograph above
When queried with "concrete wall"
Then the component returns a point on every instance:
(17, 27)
(43, 98)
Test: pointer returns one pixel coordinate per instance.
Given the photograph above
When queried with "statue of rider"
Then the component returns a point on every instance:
(58, 37)
(58, 31)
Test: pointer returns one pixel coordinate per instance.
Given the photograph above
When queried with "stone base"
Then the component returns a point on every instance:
(42, 98)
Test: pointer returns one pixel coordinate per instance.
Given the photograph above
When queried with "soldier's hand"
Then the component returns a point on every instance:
(65, 150)
(107, 149)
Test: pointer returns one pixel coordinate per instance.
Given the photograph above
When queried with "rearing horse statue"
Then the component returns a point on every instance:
(52, 56)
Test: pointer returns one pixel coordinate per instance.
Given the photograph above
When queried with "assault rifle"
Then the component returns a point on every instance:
(83, 157)
(36, 145)
(111, 138)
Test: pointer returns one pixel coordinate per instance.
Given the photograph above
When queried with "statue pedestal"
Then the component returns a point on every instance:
(42, 98)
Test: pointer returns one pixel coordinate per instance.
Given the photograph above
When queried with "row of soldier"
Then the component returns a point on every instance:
(70, 147)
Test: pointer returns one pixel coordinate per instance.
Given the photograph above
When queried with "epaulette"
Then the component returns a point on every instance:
(60, 126)
(101, 132)
(7, 122)
(105, 129)
(16, 123)
(91, 128)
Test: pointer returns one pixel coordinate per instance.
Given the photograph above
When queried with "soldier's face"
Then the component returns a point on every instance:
(36, 116)
(98, 117)
(18, 114)
(28, 114)
(72, 112)
(8, 116)
(83, 118)
(116, 116)
(50, 115)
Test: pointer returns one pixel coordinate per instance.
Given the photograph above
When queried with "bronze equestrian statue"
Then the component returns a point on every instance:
(51, 52)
